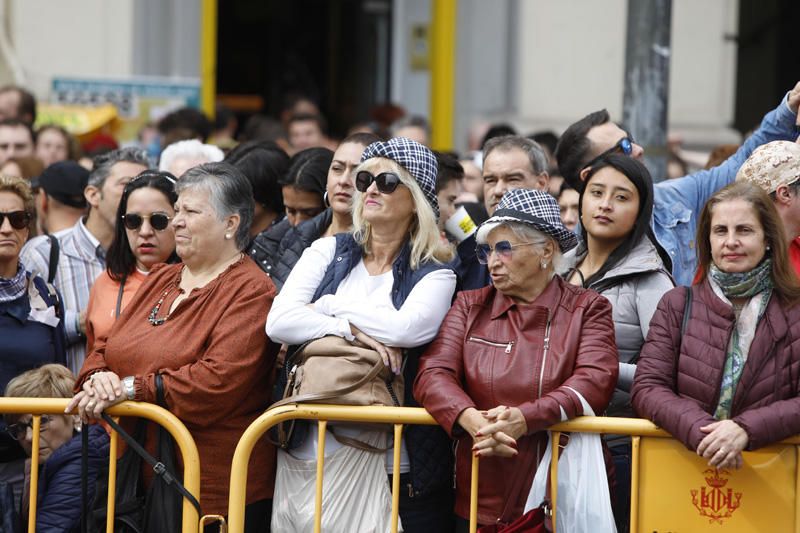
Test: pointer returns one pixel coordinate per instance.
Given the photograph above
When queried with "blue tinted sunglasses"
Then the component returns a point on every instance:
(624, 145)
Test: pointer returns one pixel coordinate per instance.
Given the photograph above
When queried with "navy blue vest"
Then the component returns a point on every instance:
(348, 255)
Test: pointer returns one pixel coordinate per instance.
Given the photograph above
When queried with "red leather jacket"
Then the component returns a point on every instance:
(491, 351)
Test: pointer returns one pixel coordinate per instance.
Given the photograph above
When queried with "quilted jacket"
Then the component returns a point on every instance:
(492, 351)
(634, 287)
(677, 384)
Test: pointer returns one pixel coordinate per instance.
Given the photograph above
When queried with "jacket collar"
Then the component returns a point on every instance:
(774, 317)
(548, 299)
(643, 258)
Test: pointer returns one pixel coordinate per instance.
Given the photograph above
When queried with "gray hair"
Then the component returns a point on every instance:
(191, 149)
(504, 143)
(410, 121)
(229, 191)
(103, 163)
(527, 233)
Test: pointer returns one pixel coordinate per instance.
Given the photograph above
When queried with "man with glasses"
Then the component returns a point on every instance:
(679, 201)
(80, 254)
(509, 162)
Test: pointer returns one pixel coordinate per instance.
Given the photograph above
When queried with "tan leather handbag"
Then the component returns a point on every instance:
(332, 370)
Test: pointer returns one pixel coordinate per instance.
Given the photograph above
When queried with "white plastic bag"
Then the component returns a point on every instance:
(583, 502)
(355, 491)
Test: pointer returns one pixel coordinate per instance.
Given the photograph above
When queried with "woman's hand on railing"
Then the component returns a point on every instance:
(100, 391)
(499, 436)
(723, 444)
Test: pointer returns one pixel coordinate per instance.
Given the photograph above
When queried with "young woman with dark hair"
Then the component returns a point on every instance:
(264, 164)
(620, 258)
(143, 237)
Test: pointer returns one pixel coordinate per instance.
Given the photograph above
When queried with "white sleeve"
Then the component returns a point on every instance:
(415, 323)
(290, 321)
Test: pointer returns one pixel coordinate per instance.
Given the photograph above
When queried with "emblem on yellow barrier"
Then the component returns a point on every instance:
(715, 502)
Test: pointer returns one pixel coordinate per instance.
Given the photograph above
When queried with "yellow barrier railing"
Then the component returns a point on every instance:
(183, 439)
(400, 416)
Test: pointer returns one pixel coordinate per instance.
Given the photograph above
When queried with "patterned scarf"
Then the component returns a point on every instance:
(13, 288)
(756, 285)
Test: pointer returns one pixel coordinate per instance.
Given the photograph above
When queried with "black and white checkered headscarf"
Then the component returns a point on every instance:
(535, 208)
(417, 159)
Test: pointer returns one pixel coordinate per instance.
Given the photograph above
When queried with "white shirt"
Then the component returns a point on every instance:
(364, 301)
(361, 300)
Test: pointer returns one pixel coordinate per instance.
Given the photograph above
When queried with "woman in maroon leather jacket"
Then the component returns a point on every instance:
(729, 382)
(512, 359)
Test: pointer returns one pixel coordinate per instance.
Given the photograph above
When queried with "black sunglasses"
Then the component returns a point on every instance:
(386, 182)
(624, 145)
(18, 219)
(134, 221)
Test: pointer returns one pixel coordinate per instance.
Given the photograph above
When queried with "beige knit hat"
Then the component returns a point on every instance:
(772, 165)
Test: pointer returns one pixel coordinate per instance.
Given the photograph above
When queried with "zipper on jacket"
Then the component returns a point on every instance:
(544, 353)
(507, 345)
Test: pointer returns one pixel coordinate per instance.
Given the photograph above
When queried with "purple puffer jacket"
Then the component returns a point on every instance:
(677, 384)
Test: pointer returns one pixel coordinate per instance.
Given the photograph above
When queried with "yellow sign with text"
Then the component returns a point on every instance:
(678, 492)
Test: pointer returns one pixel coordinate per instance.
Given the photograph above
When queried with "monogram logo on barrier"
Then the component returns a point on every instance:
(716, 502)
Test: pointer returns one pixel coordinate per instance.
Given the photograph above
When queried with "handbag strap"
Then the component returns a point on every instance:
(687, 310)
(158, 467)
(333, 393)
(85, 479)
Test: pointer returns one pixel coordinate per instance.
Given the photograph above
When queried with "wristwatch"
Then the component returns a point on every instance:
(127, 385)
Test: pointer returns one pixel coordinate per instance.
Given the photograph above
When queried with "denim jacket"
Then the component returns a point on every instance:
(678, 202)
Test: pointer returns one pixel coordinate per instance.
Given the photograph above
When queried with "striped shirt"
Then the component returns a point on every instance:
(81, 260)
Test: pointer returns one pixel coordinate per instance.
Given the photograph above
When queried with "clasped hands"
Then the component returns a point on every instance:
(494, 432)
(100, 391)
(723, 444)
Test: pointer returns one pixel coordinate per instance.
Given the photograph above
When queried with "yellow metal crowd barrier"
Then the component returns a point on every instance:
(183, 439)
(672, 489)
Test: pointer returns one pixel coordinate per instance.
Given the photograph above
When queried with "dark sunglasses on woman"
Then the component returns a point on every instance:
(17, 219)
(386, 182)
(134, 221)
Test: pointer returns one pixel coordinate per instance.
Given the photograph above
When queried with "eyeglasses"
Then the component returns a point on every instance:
(134, 221)
(386, 182)
(503, 249)
(20, 429)
(624, 145)
(17, 219)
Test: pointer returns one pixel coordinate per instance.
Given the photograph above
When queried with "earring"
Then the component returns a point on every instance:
(768, 248)
(543, 264)
(325, 199)
(227, 235)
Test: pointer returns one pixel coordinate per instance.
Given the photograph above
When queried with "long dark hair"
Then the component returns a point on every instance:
(638, 174)
(308, 171)
(784, 279)
(120, 260)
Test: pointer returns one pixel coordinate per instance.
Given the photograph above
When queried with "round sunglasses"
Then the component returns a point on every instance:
(134, 221)
(17, 219)
(386, 182)
(503, 249)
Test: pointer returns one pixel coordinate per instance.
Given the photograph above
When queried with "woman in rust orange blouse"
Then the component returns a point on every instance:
(200, 325)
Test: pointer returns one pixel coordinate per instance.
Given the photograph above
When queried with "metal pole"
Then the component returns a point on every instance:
(208, 57)
(647, 57)
(442, 72)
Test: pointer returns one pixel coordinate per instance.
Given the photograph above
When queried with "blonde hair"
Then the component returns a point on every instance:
(47, 381)
(21, 188)
(426, 242)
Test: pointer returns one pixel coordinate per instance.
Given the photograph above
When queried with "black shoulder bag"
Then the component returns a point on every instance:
(159, 508)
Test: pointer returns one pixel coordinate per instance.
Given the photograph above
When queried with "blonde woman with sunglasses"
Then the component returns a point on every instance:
(31, 328)
(143, 237)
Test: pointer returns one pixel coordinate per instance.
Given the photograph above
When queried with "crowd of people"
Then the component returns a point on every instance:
(537, 279)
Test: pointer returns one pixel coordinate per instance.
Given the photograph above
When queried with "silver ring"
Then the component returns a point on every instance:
(723, 451)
